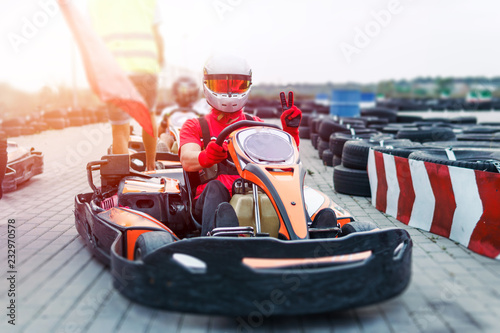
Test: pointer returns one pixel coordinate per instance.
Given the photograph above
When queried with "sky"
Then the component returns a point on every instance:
(285, 41)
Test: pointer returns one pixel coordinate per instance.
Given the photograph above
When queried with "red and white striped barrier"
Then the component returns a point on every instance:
(458, 203)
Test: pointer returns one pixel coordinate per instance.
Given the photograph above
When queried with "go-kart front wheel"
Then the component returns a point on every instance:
(150, 241)
(357, 226)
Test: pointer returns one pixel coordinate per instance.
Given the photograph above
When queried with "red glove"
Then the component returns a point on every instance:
(213, 154)
(291, 116)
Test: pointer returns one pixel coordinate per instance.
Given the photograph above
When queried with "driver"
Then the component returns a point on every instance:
(186, 94)
(187, 105)
(226, 84)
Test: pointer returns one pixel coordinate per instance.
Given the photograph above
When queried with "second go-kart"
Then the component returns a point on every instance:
(276, 253)
(22, 165)
(172, 123)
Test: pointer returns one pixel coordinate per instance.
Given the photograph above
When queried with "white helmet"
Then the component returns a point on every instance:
(227, 81)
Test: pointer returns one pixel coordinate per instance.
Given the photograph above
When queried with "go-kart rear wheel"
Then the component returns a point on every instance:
(357, 226)
(150, 241)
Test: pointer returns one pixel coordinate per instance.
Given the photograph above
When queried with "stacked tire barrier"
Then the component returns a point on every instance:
(54, 119)
(344, 142)
(452, 193)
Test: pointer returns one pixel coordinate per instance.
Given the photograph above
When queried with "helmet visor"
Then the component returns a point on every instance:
(228, 83)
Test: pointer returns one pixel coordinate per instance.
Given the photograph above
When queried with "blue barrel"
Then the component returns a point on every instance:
(368, 100)
(367, 97)
(345, 103)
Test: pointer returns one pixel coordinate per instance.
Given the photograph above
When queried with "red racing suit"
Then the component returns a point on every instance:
(191, 132)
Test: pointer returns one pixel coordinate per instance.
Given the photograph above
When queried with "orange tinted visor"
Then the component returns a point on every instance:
(228, 84)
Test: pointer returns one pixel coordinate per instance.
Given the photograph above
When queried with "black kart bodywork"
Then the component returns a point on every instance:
(228, 286)
(22, 165)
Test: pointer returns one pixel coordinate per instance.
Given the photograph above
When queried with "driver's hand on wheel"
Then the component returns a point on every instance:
(213, 154)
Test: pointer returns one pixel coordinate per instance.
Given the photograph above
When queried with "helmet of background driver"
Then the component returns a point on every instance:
(185, 91)
(227, 81)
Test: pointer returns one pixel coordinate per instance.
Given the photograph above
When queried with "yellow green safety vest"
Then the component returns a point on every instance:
(126, 26)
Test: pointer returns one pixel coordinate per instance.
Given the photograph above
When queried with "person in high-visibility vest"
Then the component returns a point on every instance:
(130, 30)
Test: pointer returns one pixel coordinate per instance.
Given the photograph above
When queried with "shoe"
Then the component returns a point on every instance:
(325, 218)
(225, 216)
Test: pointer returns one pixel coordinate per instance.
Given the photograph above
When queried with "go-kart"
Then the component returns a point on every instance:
(172, 123)
(22, 164)
(142, 225)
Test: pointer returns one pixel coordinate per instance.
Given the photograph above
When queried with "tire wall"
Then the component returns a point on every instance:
(452, 202)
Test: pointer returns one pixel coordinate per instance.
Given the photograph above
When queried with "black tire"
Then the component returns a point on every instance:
(338, 140)
(102, 115)
(462, 144)
(353, 122)
(323, 109)
(266, 112)
(490, 123)
(389, 114)
(376, 121)
(40, 126)
(77, 121)
(336, 160)
(329, 126)
(322, 145)
(150, 241)
(357, 226)
(395, 128)
(314, 124)
(314, 140)
(427, 134)
(305, 119)
(430, 124)
(56, 123)
(304, 132)
(481, 130)
(55, 114)
(355, 153)
(480, 159)
(14, 122)
(402, 151)
(479, 137)
(12, 131)
(435, 120)
(377, 127)
(327, 157)
(351, 181)
(310, 120)
(28, 130)
(407, 119)
(464, 120)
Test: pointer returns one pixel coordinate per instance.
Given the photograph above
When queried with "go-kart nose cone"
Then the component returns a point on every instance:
(268, 147)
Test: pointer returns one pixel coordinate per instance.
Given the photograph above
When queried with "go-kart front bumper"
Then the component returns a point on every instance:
(22, 169)
(240, 275)
(228, 285)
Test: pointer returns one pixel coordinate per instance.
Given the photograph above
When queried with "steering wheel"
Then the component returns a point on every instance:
(231, 128)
